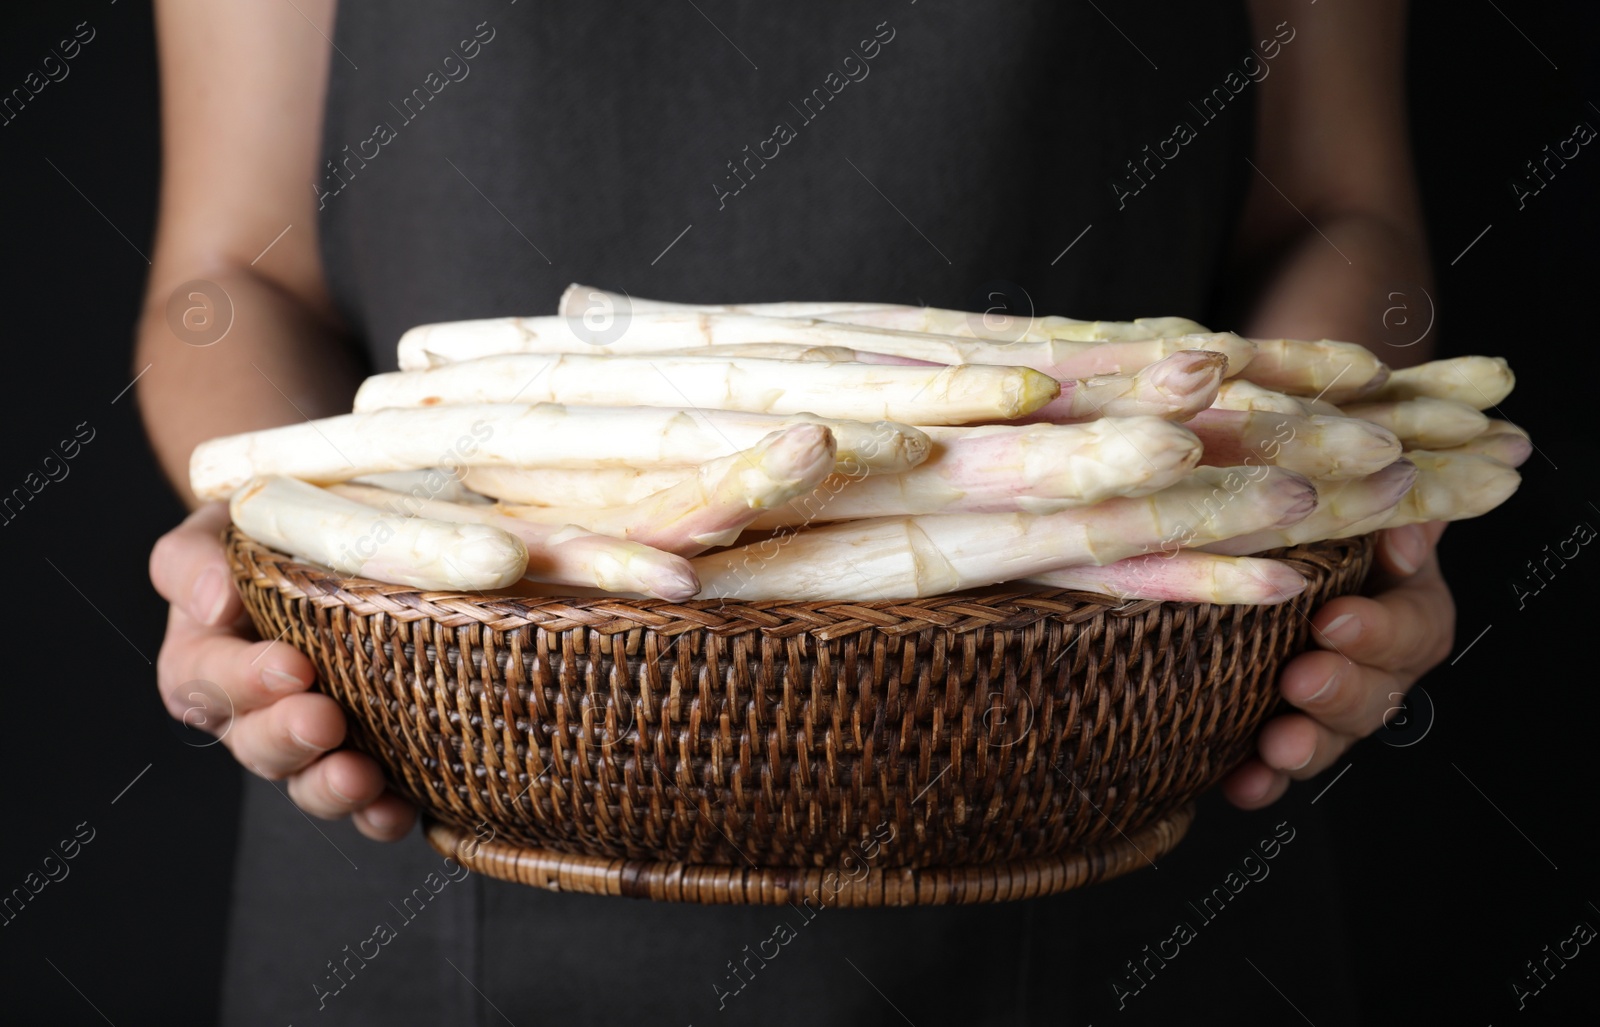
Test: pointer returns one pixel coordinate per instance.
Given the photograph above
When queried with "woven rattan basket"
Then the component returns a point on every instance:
(961, 748)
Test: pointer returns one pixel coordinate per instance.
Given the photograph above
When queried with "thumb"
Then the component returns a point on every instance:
(188, 568)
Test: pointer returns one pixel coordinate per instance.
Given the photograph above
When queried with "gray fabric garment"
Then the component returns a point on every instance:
(971, 155)
(310, 895)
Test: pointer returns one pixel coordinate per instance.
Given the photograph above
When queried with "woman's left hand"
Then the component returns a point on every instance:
(1369, 651)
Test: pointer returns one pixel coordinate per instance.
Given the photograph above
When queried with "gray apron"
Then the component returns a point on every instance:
(1030, 156)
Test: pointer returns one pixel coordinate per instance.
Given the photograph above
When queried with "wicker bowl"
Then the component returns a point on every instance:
(963, 748)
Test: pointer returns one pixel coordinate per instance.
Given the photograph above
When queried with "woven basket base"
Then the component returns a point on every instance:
(822, 886)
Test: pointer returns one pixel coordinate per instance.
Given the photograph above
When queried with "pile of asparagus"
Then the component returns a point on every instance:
(863, 451)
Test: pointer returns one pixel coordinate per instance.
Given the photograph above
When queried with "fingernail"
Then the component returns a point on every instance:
(277, 681)
(1344, 628)
(1406, 549)
(342, 797)
(210, 594)
(1326, 688)
(383, 818)
(1309, 756)
(307, 746)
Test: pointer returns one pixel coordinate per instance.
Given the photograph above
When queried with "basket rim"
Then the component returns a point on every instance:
(995, 607)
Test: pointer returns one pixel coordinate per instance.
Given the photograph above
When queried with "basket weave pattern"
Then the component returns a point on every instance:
(973, 728)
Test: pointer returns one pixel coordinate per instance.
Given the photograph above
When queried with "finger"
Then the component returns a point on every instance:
(1299, 746)
(287, 736)
(1409, 626)
(188, 568)
(1253, 785)
(388, 819)
(241, 676)
(1349, 698)
(1401, 552)
(337, 785)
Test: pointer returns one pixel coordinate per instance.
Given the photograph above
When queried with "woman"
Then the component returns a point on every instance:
(328, 183)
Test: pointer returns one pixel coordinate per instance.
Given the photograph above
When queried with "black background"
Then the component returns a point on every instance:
(1465, 839)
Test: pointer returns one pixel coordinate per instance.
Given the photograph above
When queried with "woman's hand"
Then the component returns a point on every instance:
(253, 694)
(1370, 651)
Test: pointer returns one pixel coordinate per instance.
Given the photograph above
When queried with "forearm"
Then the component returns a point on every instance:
(1358, 279)
(278, 363)
(242, 89)
(1331, 243)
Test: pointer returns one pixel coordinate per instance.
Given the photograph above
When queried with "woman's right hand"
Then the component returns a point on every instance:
(214, 674)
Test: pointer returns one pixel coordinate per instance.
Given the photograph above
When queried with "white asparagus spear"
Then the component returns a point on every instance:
(650, 333)
(1071, 348)
(994, 468)
(589, 301)
(1003, 327)
(1089, 359)
(647, 334)
(1184, 576)
(1424, 423)
(584, 300)
(1244, 395)
(1176, 387)
(426, 483)
(772, 351)
(1497, 426)
(1336, 371)
(311, 523)
(1320, 407)
(905, 557)
(1507, 447)
(793, 351)
(915, 395)
(547, 434)
(567, 486)
(558, 554)
(711, 508)
(1318, 447)
(1449, 487)
(1340, 503)
(1038, 469)
(1477, 382)
(1173, 386)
